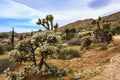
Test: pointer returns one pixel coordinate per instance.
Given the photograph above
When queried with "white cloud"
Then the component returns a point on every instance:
(10, 9)
(16, 10)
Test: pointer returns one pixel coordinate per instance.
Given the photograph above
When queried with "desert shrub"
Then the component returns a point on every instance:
(9, 47)
(73, 30)
(74, 41)
(2, 49)
(69, 54)
(28, 73)
(69, 36)
(116, 30)
(4, 63)
(103, 46)
(86, 42)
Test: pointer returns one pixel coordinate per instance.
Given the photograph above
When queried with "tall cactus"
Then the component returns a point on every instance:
(12, 37)
(47, 22)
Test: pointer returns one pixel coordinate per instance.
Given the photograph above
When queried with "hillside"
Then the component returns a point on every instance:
(113, 19)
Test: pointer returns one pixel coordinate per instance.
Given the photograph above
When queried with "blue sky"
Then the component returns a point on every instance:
(23, 14)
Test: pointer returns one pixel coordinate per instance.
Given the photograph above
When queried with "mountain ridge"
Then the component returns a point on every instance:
(113, 19)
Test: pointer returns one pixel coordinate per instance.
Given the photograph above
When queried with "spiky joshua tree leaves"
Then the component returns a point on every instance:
(47, 22)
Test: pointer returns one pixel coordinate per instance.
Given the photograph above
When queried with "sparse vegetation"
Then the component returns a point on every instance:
(41, 54)
(69, 54)
(86, 42)
(2, 49)
(74, 41)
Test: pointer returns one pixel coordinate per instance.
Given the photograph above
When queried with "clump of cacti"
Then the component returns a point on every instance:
(9, 75)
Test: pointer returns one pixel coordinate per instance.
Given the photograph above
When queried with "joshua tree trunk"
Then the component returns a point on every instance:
(12, 37)
(51, 25)
(33, 55)
(41, 63)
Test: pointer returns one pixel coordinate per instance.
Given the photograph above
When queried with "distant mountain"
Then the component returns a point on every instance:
(113, 19)
(9, 33)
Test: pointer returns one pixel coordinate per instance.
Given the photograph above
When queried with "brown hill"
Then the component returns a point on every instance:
(113, 19)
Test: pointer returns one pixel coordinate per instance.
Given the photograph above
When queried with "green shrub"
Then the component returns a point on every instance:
(86, 42)
(69, 54)
(103, 46)
(9, 47)
(2, 49)
(116, 30)
(4, 63)
(69, 36)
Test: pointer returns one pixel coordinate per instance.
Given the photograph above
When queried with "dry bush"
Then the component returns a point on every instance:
(69, 54)
(74, 41)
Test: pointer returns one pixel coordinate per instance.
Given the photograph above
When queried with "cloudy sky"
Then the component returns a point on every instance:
(23, 14)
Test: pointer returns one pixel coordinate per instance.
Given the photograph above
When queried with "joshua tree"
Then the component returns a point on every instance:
(100, 31)
(12, 37)
(47, 22)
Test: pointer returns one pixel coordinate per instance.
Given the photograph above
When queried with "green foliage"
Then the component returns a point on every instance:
(103, 46)
(73, 30)
(69, 54)
(99, 46)
(4, 63)
(47, 22)
(116, 30)
(2, 49)
(69, 36)
(67, 31)
(106, 27)
(45, 43)
(21, 37)
(9, 47)
(3, 35)
(86, 42)
(70, 33)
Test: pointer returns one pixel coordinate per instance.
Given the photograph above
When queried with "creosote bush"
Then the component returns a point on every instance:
(2, 49)
(74, 41)
(69, 54)
(9, 47)
(4, 63)
(86, 42)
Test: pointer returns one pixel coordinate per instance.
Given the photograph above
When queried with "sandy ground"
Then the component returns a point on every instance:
(91, 60)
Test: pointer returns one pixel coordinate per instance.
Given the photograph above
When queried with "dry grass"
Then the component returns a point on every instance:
(89, 60)
(4, 56)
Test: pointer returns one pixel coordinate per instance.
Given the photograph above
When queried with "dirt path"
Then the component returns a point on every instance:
(111, 71)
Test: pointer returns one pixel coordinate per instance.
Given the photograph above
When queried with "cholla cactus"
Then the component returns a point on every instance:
(43, 43)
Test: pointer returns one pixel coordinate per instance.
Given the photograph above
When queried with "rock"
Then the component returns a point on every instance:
(78, 76)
